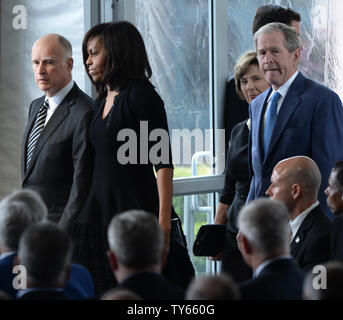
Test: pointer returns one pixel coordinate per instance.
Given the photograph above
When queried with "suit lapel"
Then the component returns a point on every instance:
(289, 105)
(306, 225)
(57, 118)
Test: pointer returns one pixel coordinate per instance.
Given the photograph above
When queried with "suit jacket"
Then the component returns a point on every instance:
(311, 244)
(152, 286)
(282, 279)
(60, 165)
(309, 123)
(79, 285)
(43, 294)
(336, 251)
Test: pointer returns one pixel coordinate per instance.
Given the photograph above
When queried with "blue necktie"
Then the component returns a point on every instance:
(270, 120)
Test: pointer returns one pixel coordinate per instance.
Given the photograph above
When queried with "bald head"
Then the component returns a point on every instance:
(58, 42)
(52, 63)
(295, 181)
(302, 170)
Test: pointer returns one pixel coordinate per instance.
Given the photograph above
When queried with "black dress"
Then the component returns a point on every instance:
(234, 194)
(123, 175)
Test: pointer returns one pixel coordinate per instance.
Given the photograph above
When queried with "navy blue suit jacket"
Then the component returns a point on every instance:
(79, 285)
(309, 123)
(282, 279)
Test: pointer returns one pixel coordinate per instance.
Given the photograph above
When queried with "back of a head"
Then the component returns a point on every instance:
(325, 283)
(265, 223)
(136, 238)
(45, 250)
(120, 294)
(273, 13)
(220, 287)
(338, 167)
(18, 211)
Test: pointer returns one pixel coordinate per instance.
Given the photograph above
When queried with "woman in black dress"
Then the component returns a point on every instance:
(249, 84)
(126, 115)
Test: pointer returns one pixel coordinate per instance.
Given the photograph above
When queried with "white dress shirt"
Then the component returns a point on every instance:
(296, 223)
(56, 100)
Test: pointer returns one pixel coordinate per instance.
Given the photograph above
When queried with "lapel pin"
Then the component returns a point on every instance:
(297, 240)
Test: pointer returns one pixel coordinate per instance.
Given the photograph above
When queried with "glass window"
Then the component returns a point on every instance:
(177, 40)
(195, 211)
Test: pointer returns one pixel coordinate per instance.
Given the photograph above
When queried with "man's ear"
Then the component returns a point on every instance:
(296, 190)
(70, 64)
(16, 261)
(243, 244)
(296, 56)
(112, 259)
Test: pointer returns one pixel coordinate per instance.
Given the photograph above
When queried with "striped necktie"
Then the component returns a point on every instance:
(36, 131)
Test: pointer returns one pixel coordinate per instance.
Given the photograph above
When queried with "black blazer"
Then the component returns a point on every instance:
(152, 286)
(60, 166)
(280, 280)
(311, 244)
(337, 240)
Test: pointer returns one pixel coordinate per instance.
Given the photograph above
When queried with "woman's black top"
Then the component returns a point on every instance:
(237, 182)
(124, 158)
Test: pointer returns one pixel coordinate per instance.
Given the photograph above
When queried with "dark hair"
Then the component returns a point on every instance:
(339, 168)
(273, 13)
(127, 58)
(45, 250)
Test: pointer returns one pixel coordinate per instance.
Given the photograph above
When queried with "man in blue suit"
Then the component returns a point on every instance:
(296, 116)
(18, 211)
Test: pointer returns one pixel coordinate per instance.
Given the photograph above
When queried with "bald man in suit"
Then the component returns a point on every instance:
(55, 149)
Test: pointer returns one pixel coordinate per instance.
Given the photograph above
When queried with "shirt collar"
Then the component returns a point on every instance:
(296, 223)
(268, 262)
(56, 100)
(285, 87)
(7, 254)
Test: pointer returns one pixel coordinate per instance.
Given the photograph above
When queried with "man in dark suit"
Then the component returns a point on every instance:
(263, 239)
(47, 263)
(334, 193)
(135, 256)
(55, 149)
(296, 116)
(295, 182)
(18, 211)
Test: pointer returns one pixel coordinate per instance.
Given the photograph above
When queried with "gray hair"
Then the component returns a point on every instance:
(65, 43)
(136, 238)
(292, 39)
(18, 211)
(45, 250)
(265, 223)
(218, 287)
